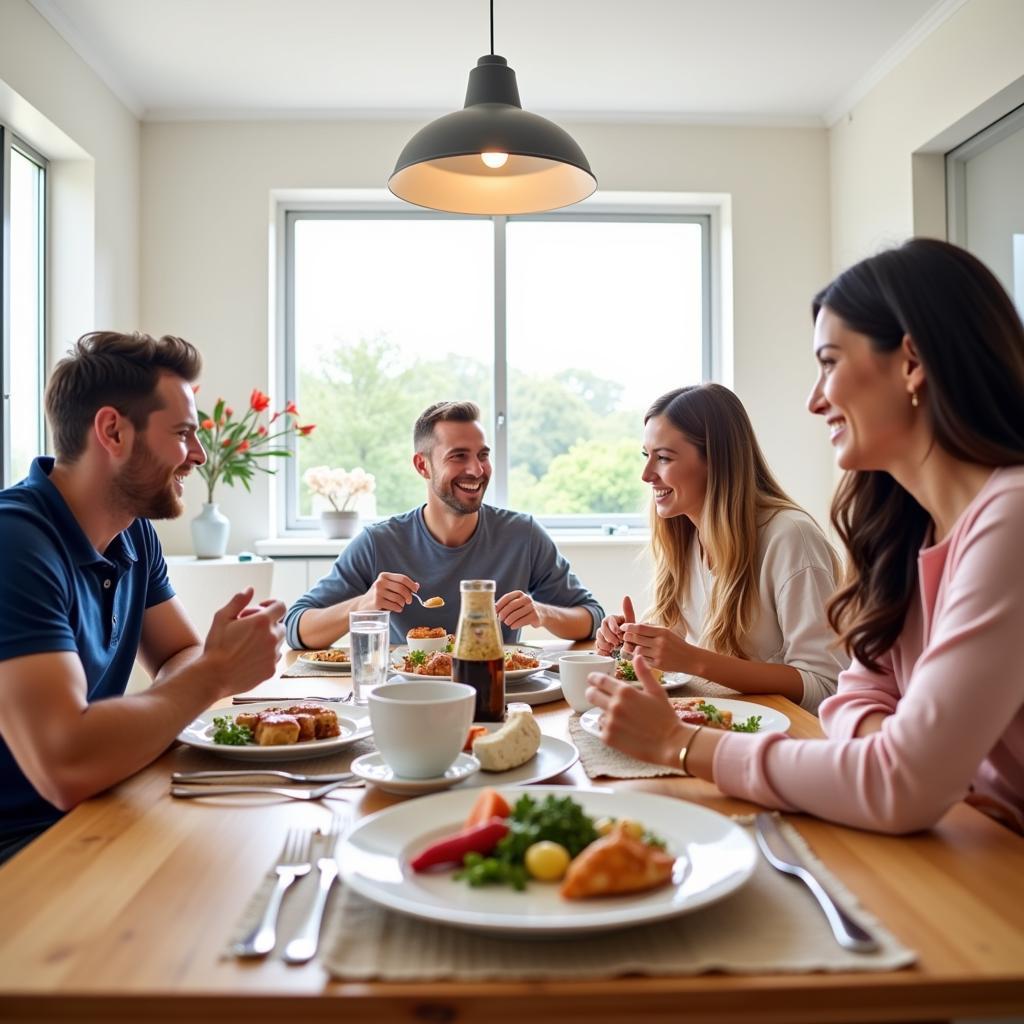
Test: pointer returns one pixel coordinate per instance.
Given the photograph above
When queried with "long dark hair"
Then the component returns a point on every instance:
(970, 341)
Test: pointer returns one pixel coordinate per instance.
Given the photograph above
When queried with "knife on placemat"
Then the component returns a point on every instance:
(779, 852)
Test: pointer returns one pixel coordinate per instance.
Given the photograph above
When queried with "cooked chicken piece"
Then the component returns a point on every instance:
(277, 730)
(616, 864)
(249, 719)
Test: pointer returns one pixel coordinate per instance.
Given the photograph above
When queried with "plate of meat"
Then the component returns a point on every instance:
(519, 663)
(714, 713)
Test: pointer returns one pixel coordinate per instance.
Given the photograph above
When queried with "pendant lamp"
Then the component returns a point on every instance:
(492, 157)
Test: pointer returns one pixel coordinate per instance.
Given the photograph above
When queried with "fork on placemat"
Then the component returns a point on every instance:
(293, 863)
(303, 946)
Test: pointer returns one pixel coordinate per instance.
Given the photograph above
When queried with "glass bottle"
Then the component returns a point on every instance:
(478, 659)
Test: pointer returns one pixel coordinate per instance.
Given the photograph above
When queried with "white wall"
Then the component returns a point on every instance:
(968, 73)
(60, 106)
(205, 230)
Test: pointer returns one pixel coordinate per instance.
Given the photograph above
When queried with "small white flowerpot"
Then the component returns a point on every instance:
(337, 524)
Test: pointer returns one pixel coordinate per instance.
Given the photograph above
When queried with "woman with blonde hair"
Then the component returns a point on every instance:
(921, 384)
(742, 573)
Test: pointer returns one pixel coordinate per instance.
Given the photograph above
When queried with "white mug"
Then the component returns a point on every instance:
(574, 668)
(419, 728)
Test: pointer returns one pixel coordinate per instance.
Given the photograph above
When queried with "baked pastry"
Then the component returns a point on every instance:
(616, 864)
(277, 729)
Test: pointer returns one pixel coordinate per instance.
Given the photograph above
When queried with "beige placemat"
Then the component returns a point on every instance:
(600, 760)
(771, 925)
(307, 668)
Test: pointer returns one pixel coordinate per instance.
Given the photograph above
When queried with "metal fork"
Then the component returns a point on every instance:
(188, 793)
(303, 946)
(293, 863)
(241, 773)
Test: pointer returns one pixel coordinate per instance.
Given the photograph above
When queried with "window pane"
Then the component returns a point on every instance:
(26, 348)
(603, 317)
(390, 315)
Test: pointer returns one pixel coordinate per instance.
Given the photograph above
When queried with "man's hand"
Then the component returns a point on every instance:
(245, 642)
(516, 609)
(391, 592)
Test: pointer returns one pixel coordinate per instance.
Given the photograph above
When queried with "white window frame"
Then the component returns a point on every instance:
(9, 141)
(711, 211)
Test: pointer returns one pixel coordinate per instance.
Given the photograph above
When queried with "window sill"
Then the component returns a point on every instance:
(314, 546)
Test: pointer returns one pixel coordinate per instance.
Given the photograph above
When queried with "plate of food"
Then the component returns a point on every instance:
(515, 752)
(277, 731)
(712, 712)
(412, 664)
(625, 859)
(337, 658)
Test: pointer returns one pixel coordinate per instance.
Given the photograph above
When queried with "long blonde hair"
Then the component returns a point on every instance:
(741, 496)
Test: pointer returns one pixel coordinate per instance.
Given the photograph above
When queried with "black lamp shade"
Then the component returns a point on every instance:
(441, 167)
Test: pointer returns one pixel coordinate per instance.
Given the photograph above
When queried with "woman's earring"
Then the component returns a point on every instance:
(913, 399)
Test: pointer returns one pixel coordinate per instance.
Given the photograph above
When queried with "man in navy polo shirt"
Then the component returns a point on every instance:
(84, 588)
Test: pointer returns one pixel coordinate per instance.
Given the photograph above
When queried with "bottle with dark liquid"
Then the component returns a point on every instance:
(478, 659)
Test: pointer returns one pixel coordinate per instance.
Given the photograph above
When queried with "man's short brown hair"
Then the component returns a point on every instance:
(441, 412)
(108, 368)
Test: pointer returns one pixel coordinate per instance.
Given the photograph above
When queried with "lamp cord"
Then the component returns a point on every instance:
(492, 28)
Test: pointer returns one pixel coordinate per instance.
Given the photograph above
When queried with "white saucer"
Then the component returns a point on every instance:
(373, 768)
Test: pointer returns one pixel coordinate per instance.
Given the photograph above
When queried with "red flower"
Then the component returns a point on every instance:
(262, 431)
(258, 401)
(207, 424)
(228, 411)
(243, 447)
(290, 407)
(225, 442)
(306, 430)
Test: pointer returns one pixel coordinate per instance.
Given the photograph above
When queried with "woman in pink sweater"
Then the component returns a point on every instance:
(921, 384)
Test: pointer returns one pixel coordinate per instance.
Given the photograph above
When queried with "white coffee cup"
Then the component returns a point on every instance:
(419, 728)
(573, 670)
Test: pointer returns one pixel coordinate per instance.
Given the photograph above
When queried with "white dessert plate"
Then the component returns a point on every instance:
(373, 768)
(553, 757)
(354, 723)
(337, 666)
(714, 858)
(771, 720)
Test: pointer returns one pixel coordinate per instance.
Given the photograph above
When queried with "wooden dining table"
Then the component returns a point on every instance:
(122, 910)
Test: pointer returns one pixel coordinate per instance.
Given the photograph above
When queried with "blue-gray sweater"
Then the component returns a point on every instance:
(508, 547)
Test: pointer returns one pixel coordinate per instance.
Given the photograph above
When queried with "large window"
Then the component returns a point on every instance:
(22, 271)
(562, 327)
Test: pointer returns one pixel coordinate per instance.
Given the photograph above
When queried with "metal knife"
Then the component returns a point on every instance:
(290, 700)
(779, 852)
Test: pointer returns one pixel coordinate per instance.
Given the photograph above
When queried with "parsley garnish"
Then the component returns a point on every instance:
(230, 733)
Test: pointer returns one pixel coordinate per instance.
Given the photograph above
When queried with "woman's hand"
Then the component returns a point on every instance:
(641, 722)
(609, 633)
(661, 647)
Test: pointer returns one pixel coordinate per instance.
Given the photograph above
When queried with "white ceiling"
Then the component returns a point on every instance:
(751, 61)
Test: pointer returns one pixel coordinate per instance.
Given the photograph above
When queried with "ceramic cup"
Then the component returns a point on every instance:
(419, 728)
(427, 643)
(573, 670)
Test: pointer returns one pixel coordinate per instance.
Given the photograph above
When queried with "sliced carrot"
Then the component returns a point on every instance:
(475, 732)
(489, 804)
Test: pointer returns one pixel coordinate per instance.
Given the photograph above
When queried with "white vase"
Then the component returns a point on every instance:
(337, 524)
(210, 530)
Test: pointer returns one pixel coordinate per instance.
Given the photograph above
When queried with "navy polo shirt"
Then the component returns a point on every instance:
(58, 593)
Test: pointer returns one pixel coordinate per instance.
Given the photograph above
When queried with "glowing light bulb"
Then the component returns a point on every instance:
(494, 159)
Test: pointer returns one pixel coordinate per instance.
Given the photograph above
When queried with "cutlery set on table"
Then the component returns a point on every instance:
(303, 850)
(188, 785)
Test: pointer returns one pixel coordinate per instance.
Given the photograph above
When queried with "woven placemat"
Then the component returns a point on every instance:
(771, 925)
(309, 668)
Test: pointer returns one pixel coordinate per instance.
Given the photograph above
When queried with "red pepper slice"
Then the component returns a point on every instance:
(481, 838)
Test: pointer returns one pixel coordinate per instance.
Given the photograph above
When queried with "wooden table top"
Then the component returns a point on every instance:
(121, 910)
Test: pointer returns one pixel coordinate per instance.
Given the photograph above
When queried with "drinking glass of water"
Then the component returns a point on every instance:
(369, 633)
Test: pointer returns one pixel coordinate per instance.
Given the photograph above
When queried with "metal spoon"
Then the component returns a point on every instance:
(431, 602)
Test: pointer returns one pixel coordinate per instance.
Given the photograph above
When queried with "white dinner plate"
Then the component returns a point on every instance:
(354, 722)
(771, 720)
(337, 666)
(553, 757)
(373, 768)
(536, 688)
(520, 673)
(714, 858)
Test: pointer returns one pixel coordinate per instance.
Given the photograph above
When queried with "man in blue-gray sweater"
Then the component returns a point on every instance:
(453, 537)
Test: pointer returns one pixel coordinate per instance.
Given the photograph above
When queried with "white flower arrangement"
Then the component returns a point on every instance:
(340, 487)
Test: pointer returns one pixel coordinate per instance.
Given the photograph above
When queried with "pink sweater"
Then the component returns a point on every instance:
(952, 686)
